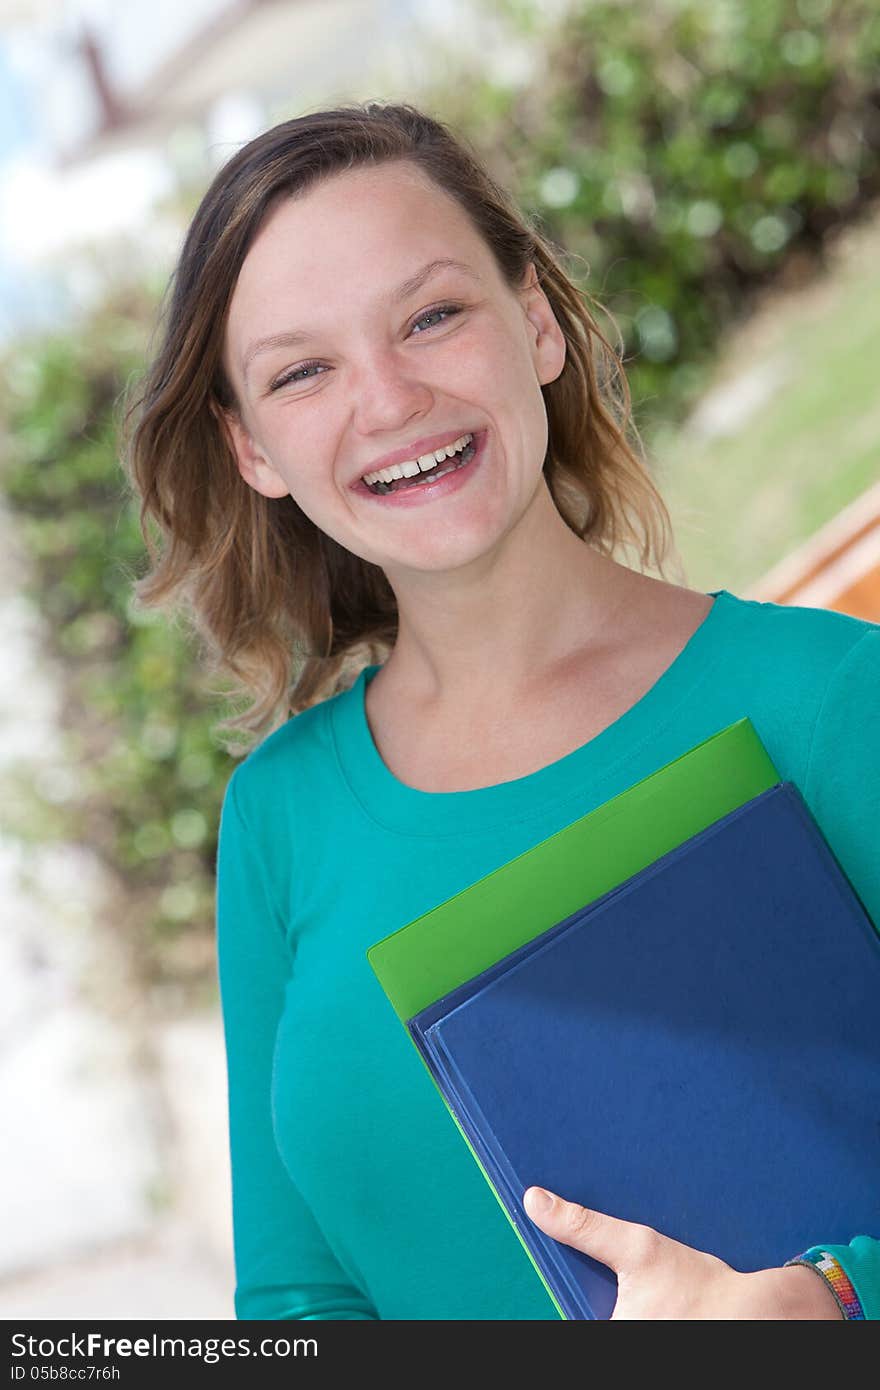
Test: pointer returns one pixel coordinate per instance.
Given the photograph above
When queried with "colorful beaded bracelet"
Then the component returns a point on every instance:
(836, 1278)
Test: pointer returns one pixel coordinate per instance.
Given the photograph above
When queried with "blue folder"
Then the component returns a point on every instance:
(698, 1050)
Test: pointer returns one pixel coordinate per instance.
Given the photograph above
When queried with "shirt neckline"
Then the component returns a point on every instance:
(410, 811)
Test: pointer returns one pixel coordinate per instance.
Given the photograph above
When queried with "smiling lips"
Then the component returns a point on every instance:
(412, 468)
(420, 456)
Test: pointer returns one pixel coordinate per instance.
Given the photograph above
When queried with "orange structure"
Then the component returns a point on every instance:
(838, 567)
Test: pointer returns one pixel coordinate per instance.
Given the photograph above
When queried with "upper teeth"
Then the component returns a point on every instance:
(411, 467)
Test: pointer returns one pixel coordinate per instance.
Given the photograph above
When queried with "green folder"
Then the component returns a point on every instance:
(463, 936)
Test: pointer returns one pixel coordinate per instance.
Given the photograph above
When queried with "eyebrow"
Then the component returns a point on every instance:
(403, 291)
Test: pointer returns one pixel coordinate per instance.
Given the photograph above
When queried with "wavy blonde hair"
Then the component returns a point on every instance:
(282, 609)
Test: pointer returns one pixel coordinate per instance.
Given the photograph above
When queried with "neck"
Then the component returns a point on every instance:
(499, 624)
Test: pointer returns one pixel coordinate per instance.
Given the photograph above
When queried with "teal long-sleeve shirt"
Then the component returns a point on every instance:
(353, 1193)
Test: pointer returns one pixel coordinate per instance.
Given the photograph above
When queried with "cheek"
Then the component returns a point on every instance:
(321, 503)
(313, 489)
(300, 448)
(496, 372)
(502, 369)
(309, 469)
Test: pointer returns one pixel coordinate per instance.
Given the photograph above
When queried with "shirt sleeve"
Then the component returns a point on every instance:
(842, 787)
(284, 1267)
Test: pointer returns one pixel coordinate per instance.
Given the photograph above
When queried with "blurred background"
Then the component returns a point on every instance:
(713, 169)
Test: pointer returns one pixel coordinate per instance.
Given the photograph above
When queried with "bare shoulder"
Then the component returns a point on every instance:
(655, 615)
(683, 609)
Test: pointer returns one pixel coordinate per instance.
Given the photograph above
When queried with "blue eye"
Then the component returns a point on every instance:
(450, 310)
(292, 376)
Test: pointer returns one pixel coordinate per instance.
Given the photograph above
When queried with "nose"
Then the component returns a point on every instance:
(387, 392)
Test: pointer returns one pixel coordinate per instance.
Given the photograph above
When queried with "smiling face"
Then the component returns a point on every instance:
(380, 368)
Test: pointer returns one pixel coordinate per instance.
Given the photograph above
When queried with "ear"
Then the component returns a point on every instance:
(253, 465)
(546, 337)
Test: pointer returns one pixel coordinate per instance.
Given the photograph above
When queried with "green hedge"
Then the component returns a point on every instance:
(688, 152)
(137, 713)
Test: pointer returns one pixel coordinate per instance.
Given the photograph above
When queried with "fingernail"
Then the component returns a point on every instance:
(540, 1200)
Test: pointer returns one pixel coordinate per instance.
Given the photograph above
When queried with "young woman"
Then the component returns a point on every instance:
(383, 423)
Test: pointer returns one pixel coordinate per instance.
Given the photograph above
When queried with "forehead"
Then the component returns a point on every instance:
(358, 233)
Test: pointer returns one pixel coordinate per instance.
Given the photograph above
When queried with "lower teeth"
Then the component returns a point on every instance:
(464, 457)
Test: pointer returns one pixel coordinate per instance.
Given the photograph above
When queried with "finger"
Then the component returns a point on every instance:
(623, 1246)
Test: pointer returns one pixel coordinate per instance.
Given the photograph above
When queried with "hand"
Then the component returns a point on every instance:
(659, 1278)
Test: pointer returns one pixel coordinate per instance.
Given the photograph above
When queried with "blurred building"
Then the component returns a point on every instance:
(119, 75)
(108, 112)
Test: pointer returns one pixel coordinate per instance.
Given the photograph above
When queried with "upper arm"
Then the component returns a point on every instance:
(284, 1266)
(842, 784)
(843, 789)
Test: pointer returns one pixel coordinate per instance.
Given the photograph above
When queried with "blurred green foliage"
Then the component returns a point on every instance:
(137, 713)
(689, 152)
